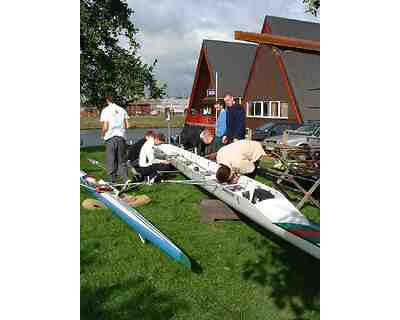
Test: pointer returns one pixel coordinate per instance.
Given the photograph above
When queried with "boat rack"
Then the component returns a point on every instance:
(306, 171)
(287, 152)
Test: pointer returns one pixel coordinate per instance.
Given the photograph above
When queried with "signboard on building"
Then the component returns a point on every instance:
(210, 92)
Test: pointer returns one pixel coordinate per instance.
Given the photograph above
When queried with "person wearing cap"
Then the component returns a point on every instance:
(114, 121)
(239, 157)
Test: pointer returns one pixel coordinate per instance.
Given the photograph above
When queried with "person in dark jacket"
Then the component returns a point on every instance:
(235, 120)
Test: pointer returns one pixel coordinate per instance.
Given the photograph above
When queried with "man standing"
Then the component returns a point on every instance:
(235, 120)
(239, 157)
(114, 124)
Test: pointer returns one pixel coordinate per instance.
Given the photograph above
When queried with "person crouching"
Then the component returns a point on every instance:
(149, 165)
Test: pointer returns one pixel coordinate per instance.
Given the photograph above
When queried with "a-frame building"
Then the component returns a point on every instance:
(222, 66)
(284, 79)
(276, 80)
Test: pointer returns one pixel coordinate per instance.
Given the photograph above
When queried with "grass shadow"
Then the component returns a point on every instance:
(133, 299)
(292, 275)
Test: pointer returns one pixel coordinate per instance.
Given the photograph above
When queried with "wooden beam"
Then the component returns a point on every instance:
(280, 41)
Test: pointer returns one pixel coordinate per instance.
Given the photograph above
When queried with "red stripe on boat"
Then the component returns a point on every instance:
(305, 233)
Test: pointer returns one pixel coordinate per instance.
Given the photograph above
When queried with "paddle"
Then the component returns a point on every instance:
(127, 185)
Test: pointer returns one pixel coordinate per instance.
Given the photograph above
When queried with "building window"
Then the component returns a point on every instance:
(274, 108)
(254, 109)
(265, 109)
(284, 109)
(268, 109)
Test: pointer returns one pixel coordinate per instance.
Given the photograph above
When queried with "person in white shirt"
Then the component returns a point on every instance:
(149, 165)
(114, 124)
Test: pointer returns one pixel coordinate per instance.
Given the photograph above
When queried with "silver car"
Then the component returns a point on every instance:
(301, 137)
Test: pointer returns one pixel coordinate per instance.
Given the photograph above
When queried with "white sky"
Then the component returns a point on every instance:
(172, 31)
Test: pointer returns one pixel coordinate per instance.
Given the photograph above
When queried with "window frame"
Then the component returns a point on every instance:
(268, 116)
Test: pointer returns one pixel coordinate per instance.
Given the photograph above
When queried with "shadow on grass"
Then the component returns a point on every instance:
(88, 254)
(292, 275)
(131, 299)
(134, 299)
(93, 149)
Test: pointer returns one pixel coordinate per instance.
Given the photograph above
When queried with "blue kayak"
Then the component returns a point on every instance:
(134, 220)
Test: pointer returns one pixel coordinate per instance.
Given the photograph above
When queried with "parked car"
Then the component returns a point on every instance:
(305, 136)
(271, 129)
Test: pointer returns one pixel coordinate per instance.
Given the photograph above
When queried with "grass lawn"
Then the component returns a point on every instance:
(243, 273)
(137, 122)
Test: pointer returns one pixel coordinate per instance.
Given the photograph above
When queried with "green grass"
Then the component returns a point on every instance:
(137, 122)
(242, 273)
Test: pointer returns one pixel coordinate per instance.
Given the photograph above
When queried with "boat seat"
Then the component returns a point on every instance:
(261, 194)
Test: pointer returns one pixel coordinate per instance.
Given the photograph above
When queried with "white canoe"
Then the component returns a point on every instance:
(262, 204)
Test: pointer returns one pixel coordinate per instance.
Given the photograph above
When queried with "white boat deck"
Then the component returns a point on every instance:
(259, 202)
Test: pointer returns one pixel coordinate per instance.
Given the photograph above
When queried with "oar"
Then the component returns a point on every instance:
(191, 182)
(131, 184)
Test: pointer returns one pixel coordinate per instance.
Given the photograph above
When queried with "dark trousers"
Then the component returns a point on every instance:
(152, 171)
(115, 154)
(252, 175)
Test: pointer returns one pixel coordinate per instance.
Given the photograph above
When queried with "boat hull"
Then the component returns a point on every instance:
(270, 213)
(137, 222)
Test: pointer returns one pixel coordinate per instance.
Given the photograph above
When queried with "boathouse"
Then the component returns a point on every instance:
(275, 76)
(222, 66)
(284, 81)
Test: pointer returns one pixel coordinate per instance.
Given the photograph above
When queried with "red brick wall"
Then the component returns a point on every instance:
(138, 109)
(92, 114)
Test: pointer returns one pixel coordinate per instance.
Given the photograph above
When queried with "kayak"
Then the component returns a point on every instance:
(262, 204)
(133, 219)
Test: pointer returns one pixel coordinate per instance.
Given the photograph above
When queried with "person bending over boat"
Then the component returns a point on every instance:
(208, 138)
(114, 124)
(134, 150)
(239, 157)
(149, 165)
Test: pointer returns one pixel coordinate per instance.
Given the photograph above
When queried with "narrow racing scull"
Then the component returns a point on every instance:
(262, 204)
(133, 218)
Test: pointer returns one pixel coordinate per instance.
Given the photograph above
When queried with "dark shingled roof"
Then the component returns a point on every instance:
(302, 68)
(232, 61)
(303, 73)
(294, 28)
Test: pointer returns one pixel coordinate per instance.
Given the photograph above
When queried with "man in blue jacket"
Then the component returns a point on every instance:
(235, 120)
(220, 129)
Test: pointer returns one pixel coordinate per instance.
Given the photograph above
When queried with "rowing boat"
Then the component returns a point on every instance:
(262, 204)
(134, 219)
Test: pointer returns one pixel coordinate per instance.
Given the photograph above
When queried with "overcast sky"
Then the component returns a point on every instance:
(172, 31)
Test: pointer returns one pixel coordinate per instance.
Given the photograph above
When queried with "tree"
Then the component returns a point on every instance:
(312, 6)
(107, 66)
